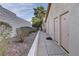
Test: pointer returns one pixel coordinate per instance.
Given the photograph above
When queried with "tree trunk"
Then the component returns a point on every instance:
(41, 27)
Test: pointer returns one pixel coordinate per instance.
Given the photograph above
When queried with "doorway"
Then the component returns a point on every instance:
(56, 29)
(64, 31)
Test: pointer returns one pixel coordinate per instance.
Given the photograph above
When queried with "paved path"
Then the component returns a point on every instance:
(48, 47)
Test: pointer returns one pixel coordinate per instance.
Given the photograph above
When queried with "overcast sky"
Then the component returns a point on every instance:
(23, 10)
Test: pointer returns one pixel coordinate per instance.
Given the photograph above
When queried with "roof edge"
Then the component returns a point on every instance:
(48, 9)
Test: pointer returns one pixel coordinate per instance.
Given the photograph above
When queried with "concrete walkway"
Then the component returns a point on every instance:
(48, 47)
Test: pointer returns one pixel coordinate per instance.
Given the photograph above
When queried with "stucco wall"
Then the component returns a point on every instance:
(55, 11)
(74, 31)
(10, 18)
(49, 23)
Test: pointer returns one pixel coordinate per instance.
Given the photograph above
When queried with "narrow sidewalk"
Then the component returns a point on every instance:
(48, 47)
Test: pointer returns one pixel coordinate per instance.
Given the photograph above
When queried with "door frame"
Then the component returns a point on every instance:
(61, 30)
(54, 28)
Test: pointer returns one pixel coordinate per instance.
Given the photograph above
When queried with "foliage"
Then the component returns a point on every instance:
(36, 22)
(5, 30)
(3, 46)
(39, 13)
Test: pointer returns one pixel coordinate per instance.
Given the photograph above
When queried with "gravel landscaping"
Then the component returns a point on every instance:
(16, 48)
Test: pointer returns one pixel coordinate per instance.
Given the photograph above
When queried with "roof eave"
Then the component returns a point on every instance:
(48, 9)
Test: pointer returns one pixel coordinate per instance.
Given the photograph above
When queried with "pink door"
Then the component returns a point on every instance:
(65, 31)
(56, 29)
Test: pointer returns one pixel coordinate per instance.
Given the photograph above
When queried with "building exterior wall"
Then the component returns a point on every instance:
(11, 18)
(49, 23)
(74, 31)
(55, 11)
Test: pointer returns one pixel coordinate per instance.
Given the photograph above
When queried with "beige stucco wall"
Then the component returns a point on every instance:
(49, 23)
(55, 11)
(74, 31)
(11, 18)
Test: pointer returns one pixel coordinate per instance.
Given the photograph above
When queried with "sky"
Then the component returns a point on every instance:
(23, 10)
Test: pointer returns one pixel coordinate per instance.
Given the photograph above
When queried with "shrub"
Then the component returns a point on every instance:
(23, 32)
(5, 30)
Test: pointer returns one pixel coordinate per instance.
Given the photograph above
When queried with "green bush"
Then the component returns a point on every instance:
(5, 30)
